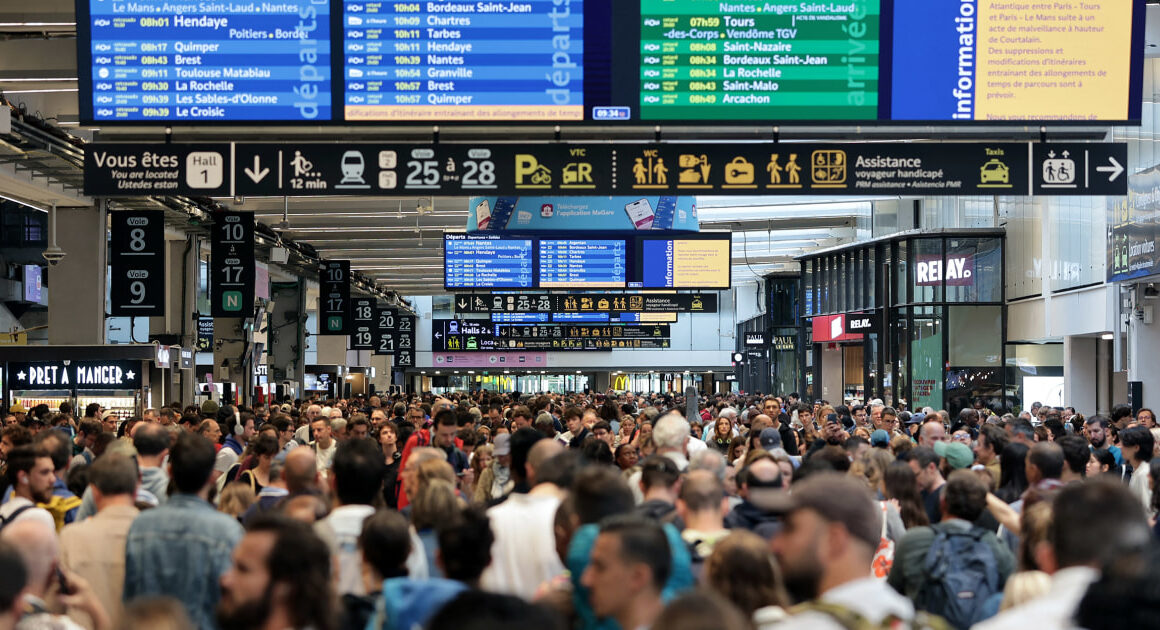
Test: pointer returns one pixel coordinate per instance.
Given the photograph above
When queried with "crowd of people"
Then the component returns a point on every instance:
(588, 511)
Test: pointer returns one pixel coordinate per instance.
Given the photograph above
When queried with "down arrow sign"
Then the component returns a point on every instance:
(258, 173)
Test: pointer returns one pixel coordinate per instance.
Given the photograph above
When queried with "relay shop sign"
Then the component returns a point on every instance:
(861, 323)
(74, 375)
(959, 271)
(642, 170)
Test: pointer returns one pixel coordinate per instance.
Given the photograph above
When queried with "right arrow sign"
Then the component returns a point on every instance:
(1079, 168)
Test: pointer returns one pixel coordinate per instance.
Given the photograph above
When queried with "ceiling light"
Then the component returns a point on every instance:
(1108, 336)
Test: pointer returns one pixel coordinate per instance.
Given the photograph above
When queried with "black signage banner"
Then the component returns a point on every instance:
(204, 334)
(299, 169)
(137, 263)
(754, 339)
(405, 340)
(334, 297)
(385, 326)
(587, 303)
(861, 323)
(232, 264)
(76, 375)
(362, 316)
(457, 335)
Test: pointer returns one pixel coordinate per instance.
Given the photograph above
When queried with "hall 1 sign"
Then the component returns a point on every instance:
(137, 263)
(334, 281)
(232, 264)
(861, 323)
(74, 375)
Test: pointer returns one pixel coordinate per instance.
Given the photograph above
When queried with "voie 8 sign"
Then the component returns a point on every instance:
(137, 263)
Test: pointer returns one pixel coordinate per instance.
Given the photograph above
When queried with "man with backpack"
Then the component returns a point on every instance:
(952, 568)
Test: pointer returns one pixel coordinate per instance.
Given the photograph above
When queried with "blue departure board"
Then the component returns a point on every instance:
(212, 61)
(580, 263)
(487, 262)
(519, 60)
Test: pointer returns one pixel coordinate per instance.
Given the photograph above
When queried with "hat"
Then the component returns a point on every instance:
(108, 414)
(880, 438)
(285, 408)
(957, 454)
(916, 418)
(503, 444)
(838, 498)
(17, 408)
(770, 439)
(209, 407)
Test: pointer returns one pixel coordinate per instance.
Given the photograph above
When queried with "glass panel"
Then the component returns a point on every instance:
(808, 268)
(900, 366)
(872, 278)
(1035, 373)
(899, 259)
(785, 366)
(973, 270)
(975, 337)
(926, 358)
(929, 270)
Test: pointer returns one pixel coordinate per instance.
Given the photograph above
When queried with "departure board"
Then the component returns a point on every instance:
(159, 60)
(759, 60)
(487, 262)
(685, 263)
(444, 61)
(581, 263)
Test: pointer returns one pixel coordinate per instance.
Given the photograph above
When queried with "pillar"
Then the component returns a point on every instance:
(1143, 357)
(76, 304)
(1081, 373)
(287, 337)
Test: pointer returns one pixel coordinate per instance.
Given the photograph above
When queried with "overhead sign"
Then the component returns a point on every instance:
(499, 214)
(488, 263)
(861, 323)
(211, 62)
(137, 263)
(405, 338)
(74, 375)
(334, 297)
(232, 264)
(1134, 229)
(755, 339)
(362, 315)
(204, 334)
(644, 171)
(457, 335)
(1080, 168)
(384, 330)
(587, 303)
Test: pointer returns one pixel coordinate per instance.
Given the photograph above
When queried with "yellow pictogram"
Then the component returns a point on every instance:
(739, 173)
(828, 169)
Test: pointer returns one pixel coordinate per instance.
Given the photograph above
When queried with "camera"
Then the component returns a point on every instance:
(54, 255)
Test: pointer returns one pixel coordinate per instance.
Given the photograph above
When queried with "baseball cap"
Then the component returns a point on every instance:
(770, 439)
(838, 498)
(957, 454)
(503, 444)
(880, 438)
(17, 408)
(108, 414)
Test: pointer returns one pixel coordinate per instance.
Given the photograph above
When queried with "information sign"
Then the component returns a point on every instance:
(576, 263)
(232, 264)
(137, 263)
(385, 327)
(362, 315)
(334, 297)
(487, 262)
(405, 342)
(587, 303)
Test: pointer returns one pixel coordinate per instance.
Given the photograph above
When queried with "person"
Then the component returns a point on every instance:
(279, 578)
(185, 532)
(36, 543)
(577, 432)
(932, 431)
(1096, 430)
(831, 532)
(265, 449)
(925, 464)
(759, 484)
(702, 610)
(151, 442)
(629, 566)
(155, 613)
(30, 477)
(324, 444)
(658, 485)
(701, 506)
(13, 580)
(86, 437)
(626, 457)
(1092, 524)
(992, 440)
(95, 547)
(239, 429)
(524, 552)
(356, 479)
(495, 480)
(900, 484)
(951, 569)
(442, 437)
(742, 569)
(1137, 445)
(64, 504)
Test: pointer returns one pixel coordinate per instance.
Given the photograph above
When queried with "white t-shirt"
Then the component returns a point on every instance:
(340, 530)
(524, 553)
(15, 503)
(324, 457)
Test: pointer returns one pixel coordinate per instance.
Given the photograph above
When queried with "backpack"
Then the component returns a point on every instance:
(884, 555)
(5, 522)
(850, 620)
(59, 507)
(959, 575)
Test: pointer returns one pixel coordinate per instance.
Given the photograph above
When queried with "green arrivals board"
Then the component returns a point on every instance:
(759, 60)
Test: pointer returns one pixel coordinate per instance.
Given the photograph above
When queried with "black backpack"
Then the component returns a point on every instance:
(959, 575)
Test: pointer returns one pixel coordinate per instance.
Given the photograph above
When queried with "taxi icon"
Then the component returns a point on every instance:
(995, 171)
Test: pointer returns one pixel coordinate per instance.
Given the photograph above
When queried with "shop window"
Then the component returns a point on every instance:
(973, 270)
(926, 358)
(975, 336)
(929, 271)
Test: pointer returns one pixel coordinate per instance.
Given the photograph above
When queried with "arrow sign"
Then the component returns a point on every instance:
(438, 335)
(258, 173)
(462, 305)
(1115, 169)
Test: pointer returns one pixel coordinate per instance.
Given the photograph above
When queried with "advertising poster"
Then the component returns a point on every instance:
(926, 379)
(498, 214)
(1133, 228)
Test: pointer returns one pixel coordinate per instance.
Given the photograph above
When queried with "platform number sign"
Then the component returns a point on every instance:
(137, 263)
(362, 317)
(384, 331)
(334, 297)
(232, 264)
(405, 342)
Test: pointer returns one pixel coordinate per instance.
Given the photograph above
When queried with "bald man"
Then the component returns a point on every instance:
(37, 544)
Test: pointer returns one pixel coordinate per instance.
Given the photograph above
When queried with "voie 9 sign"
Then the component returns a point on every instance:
(957, 270)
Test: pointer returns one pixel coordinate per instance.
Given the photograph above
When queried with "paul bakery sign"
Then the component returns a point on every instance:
(83, 375)
(959, 271)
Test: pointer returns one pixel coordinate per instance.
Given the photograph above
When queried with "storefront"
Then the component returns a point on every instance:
(916, 319)
(117, 377)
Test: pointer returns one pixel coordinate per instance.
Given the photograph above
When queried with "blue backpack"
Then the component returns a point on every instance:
(960, 574)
